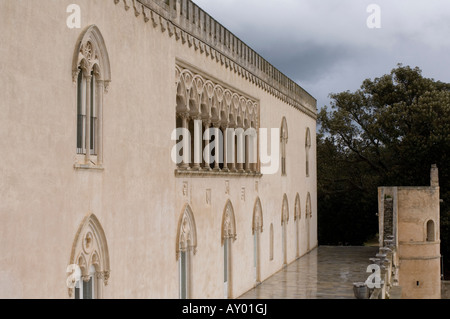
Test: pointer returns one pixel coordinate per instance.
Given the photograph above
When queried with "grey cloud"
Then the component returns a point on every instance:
(325, 45)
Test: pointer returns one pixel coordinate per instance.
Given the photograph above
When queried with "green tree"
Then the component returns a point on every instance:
(387, 133)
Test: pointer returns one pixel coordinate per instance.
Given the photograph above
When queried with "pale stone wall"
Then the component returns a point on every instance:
(445, 289)
(420, 262)
(136, 196)
(404, 217)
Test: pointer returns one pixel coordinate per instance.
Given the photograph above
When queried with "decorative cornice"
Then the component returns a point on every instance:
(186, 22)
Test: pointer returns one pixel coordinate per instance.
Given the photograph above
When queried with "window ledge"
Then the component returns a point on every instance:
(90, 166)
(214, 173)
(420, 242)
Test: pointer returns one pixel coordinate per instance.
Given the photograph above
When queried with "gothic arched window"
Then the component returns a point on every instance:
(89, 260)
(92, 75)
(186, 248)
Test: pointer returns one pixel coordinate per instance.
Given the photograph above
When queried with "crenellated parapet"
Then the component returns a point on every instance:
(186, 22)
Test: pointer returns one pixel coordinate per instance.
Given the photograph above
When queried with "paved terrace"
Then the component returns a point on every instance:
(328, 272)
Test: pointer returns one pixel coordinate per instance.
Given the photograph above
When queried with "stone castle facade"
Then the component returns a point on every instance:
(409, 241)
(93, 205)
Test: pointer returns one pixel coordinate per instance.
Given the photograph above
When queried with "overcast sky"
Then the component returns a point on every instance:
(326, 46)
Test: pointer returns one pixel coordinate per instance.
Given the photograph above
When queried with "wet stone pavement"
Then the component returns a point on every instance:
(327, 272)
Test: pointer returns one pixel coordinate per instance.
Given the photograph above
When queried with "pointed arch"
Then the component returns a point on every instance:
(91, 72)
(308, 206)
(308, 137)
(308, 214)
(284, 135)
(187, 232)
(181, 98)
(90, 248)
(90, 52)
(257, 222)
(285, 210)
(307, 148)
(228, 222)
(297, 208)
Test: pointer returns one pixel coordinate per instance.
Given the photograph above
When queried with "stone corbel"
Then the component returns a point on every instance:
(170, 28)
(75, 76)
(177, 33)
(146, 13)
(106, 86)
(196, 44)
(137, 8)
(127, 3)
(155, 19)
(106, 275)
(70, 291)
(183, 37)
(163, 24)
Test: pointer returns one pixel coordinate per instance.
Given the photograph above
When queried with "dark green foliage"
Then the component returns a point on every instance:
(387, 133)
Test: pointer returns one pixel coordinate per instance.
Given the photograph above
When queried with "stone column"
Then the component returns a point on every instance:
(100, 91)
(247, 150)
(218, 151)
(186, 142)
(255, 152)
(241, 152)
(232, 148)
(225, 147)
(198, 149)
(207, 149)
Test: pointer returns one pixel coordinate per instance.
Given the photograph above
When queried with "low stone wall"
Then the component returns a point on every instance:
(445, 289)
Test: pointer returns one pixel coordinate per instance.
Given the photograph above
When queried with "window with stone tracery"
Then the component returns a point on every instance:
(91, 74)
(218, 127)
(89, 261)
(186, 248)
